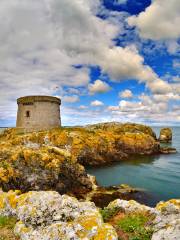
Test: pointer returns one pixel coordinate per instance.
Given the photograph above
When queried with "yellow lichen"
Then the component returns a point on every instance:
(162, 205)
(106, 232)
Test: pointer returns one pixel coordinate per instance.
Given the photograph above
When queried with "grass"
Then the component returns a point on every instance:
(107, 214)
(136, 225)
(6, 228)
(133, 226)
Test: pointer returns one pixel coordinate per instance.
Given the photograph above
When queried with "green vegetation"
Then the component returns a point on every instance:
(108, 213)
(6, 228)
(136, 225)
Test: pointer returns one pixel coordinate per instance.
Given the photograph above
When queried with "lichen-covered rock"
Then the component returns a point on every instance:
(167, 150)
(54, 159)
(8, 202)
(46, 207)
(42, 168)
(123, 128)
(47, 215)
(165, 217)
(102, 196)
(165, 135)
(131, 207)
(167, 222)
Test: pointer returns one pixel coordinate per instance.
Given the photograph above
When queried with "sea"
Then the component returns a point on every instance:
(158, 175)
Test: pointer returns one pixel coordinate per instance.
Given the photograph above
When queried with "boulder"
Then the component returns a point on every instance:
(164, 219)
(165, 135)
(47, 215)
(167, 221)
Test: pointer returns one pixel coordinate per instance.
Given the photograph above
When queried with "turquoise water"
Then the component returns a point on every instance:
(160, 175)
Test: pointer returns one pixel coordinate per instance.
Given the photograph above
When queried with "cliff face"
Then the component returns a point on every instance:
(54, 159)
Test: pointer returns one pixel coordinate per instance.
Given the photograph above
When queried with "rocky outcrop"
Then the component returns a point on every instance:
(41, 168)
(47, 215)
(163, 221)
(55, 159)
(167, 221)
(102, 196)
(123, 128)
(165, 135)
(167, 150)
(50, 216)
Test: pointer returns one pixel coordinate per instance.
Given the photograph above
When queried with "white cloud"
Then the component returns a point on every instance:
(159, 86)
(173, 47)
(126, 63)
(83, 107)
(113, 108)
(97, 103)
(42, 41)
(98, 87)
(159, 21)
(70, 99)
(166, 97)
(126, 94)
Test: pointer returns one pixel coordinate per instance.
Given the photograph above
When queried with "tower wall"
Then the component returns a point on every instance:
(38, 113)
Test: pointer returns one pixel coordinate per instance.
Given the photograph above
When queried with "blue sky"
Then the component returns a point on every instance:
(110, 60)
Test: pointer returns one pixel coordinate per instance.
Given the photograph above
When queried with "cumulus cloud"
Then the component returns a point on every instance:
(126, 63)
(98, 87)
(47, 47)
(83, 107)
(166, 97)
(126, 94)
(159, 21)
(173, 47)
(97, 103)
(71, 99)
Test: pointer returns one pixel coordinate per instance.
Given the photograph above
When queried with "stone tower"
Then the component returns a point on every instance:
(38, 113)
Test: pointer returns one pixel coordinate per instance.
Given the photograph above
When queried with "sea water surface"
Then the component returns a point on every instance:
(159, 175)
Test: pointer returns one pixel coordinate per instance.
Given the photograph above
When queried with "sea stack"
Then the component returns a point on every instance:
(38, 113)
(165, 135)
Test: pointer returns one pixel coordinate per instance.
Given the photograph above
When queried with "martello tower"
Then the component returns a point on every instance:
(38, 113)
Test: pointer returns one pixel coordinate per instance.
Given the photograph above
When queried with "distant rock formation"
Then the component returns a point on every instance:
(165, 135)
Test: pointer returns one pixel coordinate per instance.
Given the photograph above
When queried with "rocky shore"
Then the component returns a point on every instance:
(56, 159)
(45, 165)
